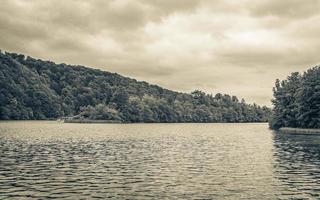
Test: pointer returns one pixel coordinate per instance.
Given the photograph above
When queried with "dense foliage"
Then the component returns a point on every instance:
(297, 101)
(36, 89)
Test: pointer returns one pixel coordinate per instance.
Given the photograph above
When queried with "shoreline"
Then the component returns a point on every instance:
(301, 131)
(89, 121)
(119, 122)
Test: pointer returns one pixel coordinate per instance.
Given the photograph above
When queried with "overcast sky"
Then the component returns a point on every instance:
(237, 47)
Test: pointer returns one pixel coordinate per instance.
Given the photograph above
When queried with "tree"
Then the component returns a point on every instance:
(308, 99)
(297, 101)
(99, 112)
(37, 89)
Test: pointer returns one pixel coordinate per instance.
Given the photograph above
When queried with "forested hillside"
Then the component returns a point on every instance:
(297, 100)
(36, 89)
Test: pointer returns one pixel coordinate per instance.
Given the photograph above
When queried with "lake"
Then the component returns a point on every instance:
(46, 159)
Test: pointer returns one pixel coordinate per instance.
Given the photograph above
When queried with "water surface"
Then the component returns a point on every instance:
(42, 159)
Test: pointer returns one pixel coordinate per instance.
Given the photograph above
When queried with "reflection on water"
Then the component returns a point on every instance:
(297, 164)
(155, 161)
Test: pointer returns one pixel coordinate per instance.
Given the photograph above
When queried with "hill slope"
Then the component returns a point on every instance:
(37, 89)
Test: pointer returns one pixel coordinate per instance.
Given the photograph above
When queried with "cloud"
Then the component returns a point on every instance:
(285, 8)
(236, 47)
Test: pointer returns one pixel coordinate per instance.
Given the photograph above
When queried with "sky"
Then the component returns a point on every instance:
(238, 47)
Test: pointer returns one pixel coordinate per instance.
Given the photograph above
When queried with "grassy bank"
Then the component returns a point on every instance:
(305, 131)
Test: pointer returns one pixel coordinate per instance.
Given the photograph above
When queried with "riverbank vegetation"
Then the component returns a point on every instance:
(37, 89)
(297, 101)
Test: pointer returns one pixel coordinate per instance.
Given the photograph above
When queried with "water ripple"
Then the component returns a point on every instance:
(156, 161)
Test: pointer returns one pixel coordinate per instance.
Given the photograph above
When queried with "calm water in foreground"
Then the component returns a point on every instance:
(156, 161)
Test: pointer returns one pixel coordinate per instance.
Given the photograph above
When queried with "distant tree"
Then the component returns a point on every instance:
(99, 112)
(120, 97)
(37, 89)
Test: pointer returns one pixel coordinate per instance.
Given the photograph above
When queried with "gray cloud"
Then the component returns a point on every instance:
(236, 47)
(285, 8)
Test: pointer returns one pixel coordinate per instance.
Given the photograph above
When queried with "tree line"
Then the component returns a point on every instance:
(297, 100)
(36, 89)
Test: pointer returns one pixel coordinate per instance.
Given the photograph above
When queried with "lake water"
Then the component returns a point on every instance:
(156, 161)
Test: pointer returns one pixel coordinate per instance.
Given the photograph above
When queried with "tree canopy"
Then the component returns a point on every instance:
(297, 100)
(37, 89)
